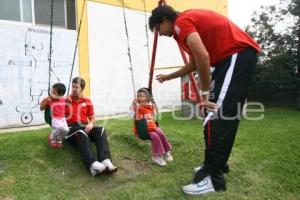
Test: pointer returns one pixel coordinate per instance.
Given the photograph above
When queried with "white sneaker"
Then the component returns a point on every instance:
(202, 187)
(158, 160)
(168, 156)
(96, 168)
(108, 164)
(196, 169)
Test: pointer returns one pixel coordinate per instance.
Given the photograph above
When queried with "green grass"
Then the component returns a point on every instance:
(264, 163)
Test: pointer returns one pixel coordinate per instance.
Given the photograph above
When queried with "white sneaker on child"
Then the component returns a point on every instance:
(202, 187)
(159, 160)
(96, 168)
(108, 164)
(168, 156)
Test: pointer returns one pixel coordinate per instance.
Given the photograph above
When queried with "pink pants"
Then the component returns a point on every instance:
(159, 141)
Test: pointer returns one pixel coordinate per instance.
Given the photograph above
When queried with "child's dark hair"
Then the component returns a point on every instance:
(60, 88)
(147, 91)
(80, 81)
(159, 14)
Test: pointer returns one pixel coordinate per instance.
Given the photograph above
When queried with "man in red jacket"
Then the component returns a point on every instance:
(211, 39)
(83, 131)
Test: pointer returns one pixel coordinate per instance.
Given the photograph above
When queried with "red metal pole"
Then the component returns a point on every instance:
(153, 61)
(185, 60)
(161, 2)
(191, 76)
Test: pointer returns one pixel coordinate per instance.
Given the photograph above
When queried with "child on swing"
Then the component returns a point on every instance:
(144, 107)
(57, 103)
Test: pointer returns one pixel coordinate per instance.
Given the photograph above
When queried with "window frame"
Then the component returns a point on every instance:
(33, 21)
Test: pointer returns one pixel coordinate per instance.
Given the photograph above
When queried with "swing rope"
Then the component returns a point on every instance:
(141, 125)
(51, 45)
(76, 46)
(146, 31)
(47, 112)
(151, 73)
(128, 49)
(50, 48)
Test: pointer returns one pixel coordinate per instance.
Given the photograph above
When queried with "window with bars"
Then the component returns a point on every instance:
(39, 11)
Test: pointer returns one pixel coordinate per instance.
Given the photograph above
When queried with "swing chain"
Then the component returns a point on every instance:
(146, 30)
(76, 46)
(128, 49)
(50, 48)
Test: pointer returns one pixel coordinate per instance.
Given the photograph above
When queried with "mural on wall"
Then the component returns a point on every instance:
(36, 46)
(27, 62)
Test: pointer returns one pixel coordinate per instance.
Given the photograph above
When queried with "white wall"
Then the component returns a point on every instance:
(24, 68)
(111, 87)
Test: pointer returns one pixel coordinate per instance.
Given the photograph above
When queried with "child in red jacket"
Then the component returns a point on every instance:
(57, 103)
(144, 107)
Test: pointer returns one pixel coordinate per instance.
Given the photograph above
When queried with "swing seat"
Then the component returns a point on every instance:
(47, 115)
(142, 129)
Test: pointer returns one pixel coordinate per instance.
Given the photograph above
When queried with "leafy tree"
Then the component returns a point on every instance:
(276, 29)
(294, 8)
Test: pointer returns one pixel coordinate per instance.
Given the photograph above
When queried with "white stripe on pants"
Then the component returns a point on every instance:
(224, 89)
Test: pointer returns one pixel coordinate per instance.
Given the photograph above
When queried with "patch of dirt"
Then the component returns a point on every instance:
(7, 181)
(129, 167)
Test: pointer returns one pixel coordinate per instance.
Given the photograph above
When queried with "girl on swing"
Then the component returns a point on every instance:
(144, 107)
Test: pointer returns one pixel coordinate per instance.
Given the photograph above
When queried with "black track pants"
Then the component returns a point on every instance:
(84, 143)
(229, 87)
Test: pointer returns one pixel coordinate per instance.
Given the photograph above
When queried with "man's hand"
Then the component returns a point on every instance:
(207, 105)
(162, 78)
(88, 128)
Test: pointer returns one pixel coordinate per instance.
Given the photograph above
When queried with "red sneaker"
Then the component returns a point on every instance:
(52, 143)
(58, 143)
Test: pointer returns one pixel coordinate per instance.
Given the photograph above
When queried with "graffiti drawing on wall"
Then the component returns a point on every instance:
(36, 49)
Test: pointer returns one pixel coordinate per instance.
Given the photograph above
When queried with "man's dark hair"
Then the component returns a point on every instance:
(80, 81)
(59, 88)
(159, 14)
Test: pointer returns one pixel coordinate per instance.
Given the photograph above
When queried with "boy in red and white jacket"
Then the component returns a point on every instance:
(57, 104)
